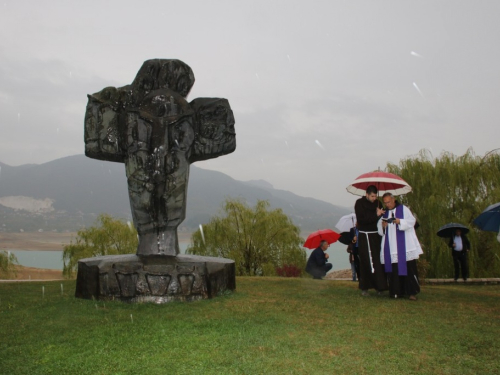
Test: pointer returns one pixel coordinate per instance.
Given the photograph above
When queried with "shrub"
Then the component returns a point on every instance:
(289, 270)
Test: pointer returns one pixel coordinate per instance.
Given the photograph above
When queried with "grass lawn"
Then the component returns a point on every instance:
(267, 326)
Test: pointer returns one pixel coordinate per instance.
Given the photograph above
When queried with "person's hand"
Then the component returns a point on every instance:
(380, 211)
(397, 221)
(453, 244)
(327, 256)
(384, 224)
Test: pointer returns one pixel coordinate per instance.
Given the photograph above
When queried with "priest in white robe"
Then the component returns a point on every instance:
(400, 249)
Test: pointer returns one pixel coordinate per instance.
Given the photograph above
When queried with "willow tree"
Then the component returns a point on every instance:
(8, 263)
(258, 239)
(447, 189)
(109, 236)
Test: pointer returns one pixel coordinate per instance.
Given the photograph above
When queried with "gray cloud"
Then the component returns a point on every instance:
(341, 73)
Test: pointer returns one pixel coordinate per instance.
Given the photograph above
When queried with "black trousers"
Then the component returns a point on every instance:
(404, 285)
(460, 261)
(319, 272)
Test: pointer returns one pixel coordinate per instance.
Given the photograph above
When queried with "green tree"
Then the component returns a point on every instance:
(257, 239)
(8, 263)
(109, 237)
(453, 189)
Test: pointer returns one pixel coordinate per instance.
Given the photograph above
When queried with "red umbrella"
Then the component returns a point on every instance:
(315, 238)
(384, 181)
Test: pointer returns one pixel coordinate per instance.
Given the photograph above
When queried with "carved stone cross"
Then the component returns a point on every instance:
(149, 126)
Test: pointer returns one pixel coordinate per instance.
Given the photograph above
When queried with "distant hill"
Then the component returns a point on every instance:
(80, 188)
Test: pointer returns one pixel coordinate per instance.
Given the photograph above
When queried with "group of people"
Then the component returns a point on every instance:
(385, 245)
(384, 248)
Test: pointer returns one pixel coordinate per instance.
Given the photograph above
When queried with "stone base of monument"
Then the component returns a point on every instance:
(154, 278)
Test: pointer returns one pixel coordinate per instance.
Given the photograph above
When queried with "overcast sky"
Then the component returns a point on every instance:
(322, 91)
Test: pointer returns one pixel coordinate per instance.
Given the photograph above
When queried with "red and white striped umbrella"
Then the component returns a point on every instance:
(384, 181)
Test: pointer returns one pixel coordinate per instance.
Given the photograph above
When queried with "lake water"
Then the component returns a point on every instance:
(53, 259)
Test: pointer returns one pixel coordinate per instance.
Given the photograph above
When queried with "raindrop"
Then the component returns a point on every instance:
(289, 60)
(43, 292)
(177, 143)
(416, 88)
(18, 117)
(57, 131)
(70, 75)
(257, 76)
(286, 143)
(96, 306)
(319, 144)
(202, 234)
(130, 225)
(131, 318)
(413, 53)
(62, 289)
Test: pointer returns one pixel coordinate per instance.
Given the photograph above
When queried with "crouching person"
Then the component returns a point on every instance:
(317, 265)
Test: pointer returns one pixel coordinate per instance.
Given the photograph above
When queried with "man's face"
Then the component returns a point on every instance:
(325, 246)
(371, 197)
(389, 202)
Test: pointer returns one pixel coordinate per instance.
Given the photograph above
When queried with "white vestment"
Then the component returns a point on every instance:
(413, 248)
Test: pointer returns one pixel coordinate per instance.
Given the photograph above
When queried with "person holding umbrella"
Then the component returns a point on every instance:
(352, 249)
(371, 272)
(460, 246)
(317, 265)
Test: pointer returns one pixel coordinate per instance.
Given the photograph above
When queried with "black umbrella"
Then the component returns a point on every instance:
(448, 230)
(346, 238)
(489, 219)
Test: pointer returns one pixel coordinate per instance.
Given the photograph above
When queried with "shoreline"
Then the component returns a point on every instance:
(47, 241)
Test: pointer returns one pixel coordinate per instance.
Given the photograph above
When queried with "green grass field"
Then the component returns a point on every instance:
(267, 326)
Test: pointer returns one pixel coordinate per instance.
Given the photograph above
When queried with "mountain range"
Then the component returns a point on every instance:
(68, 193)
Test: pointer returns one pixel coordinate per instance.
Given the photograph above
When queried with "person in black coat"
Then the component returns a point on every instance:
(460, 246)
(371, 271)
(317, 265)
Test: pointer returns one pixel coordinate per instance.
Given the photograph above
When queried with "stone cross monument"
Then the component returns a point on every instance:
(151, 128)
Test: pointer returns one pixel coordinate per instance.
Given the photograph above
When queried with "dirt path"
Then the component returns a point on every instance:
(340, 274)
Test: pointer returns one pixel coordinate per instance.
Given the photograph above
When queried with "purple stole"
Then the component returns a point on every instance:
(401, 243)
